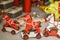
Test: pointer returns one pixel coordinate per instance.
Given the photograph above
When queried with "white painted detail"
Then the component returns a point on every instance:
(51, 17)
(58, 25)
(8, 29)
(31, 34)
(52, 22)
(49, 26)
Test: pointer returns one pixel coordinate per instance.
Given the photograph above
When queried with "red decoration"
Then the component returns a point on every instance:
(9, 22)
(27, 6)
(30, 24)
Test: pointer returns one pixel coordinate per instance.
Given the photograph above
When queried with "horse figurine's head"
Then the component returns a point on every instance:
(6, 17)
(28, 18)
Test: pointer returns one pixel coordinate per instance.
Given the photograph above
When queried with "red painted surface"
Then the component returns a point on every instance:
(9, 22)
(53, 33)
(16, 3)
(50, 33)
(27, 6)
(30, 24)
(59, 8)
